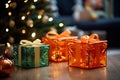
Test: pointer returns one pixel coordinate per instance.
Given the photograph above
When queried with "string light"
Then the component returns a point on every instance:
(8, 44)
(50, 19)
(39, 16)
(33, 35)
(45, 19)
(61, 24)
(31, 25)
(35, 0)
(23, 18)
(6, 5)
(23, 31)
(28, 13)
(9, 1)
(25, 1)
(7, 30)
(32, 7)
(9, 13)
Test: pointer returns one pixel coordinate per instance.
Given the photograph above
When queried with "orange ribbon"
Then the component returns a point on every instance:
(55, 35)
(89, 39)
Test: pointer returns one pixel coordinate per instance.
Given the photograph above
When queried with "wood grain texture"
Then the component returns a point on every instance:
(61, 71)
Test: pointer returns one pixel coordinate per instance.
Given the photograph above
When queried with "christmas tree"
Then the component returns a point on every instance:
(27, 19)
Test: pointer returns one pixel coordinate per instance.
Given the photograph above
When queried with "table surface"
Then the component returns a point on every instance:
(61, 71)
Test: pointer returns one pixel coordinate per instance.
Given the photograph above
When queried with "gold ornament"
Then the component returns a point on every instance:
(6, 67)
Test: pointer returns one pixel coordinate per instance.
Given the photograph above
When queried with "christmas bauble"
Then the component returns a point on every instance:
(6, 67)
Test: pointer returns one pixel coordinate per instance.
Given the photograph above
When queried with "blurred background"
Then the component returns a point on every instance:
(31, 19)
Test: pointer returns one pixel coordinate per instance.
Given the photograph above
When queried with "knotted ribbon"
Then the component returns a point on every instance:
(29, 43)
(89, 39)
(55, 35)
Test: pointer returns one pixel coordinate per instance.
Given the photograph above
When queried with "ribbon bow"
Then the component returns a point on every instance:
(89, 39)
(29, 43)
(54, 34)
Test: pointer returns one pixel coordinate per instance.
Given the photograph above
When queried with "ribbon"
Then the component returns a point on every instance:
(89, 39)
(29, 43)
(54, 35)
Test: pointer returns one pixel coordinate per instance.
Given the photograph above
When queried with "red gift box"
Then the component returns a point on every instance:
(88, 52)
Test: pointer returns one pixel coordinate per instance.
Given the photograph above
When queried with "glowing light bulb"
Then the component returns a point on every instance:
(50, 19)
(6, 5)
(25, 1)
(9, 1)
(61, 24)
(7, 30)
(32, 7)
(39, 16)
(33, 35)
(31, 25)
(28, 13)
(9, 13)
(35, 0)
(23, 18)
(8, 44)
(23, 31)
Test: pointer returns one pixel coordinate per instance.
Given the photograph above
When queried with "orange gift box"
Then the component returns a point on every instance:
(58, 45)
(88, 52)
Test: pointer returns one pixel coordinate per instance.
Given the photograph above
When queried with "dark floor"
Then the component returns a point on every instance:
(61, 71)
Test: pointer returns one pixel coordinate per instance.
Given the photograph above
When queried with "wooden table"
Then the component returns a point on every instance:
(61, 71)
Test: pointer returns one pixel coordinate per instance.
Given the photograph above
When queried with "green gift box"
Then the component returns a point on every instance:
(31, 56)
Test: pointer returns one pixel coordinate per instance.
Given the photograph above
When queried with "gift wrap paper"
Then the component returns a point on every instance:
(31, 56)
(87, 55)
(58, 48)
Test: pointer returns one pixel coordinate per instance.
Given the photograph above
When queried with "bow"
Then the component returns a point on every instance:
(29, 43)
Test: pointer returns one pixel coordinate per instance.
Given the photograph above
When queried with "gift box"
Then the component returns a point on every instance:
(31, 55)
(58, 45)
(88, 52)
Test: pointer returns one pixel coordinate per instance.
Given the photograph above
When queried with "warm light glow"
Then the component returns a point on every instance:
(9, 13)
(23, 18)
(9, 1)
(31, 25)
(8, 44)
(25, 1)
(23, 31)
(61, 24)
(33, 35)
(28, 13)
(35, 0)
(7, 30)
(39, 16)
(74, 60)
(6, 5)
(32, 7)
(50, 19)
(45, 19)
